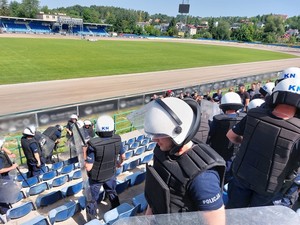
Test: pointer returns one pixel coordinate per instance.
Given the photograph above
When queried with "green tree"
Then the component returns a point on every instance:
(172, 30)
(244, 33)
(29, 8)
(222, 31)
(4, 8)
(15, 9)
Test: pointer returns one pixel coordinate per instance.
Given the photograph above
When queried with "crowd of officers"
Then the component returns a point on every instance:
(252, 147)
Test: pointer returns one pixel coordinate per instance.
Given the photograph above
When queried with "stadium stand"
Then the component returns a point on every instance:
(54, 197)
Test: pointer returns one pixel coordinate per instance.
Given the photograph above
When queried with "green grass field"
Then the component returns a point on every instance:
(29, 60)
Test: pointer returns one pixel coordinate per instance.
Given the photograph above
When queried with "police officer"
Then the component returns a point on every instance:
(32, 152)
(5, 162)
(5, 167)
(186, 175)
(221, 124)
(269, 151)
(101, 162)
(54, 133)
(88, 130)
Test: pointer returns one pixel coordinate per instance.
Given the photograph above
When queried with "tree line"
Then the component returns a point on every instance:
(125, 21)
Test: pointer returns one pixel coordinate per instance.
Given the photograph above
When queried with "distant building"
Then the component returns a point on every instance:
(260, 25)
(192, 30)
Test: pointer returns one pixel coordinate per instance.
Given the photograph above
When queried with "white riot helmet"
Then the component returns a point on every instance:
(231, 101)
(74, 116)
(30, 131)
(267, 88)
(87, 123)
(287, 92)
(255, 103)
(105, 126)
(291, 72)
(174, 118)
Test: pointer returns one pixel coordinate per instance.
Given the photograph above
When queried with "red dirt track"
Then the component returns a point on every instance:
(17, 98)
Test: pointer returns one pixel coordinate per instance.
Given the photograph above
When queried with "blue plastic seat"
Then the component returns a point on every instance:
(63, 212)
(57, 165)
(48, 199)
(95, 222)
(140, 138)
(66, 169)
(119, 170)
(71, 161)
(126, 166)
(59, 181)
(141, 201)
(123, 210)
(134, 145)
(77, 174)
(19, 211)
(128, 154)
(150, 146)
(139, 150)
(136, 178)
(130, 141)
(145, 141)
(20, 177)
(30, 182)
(37, 189)
(72, 189)
(122, 186)
(133, 164)
(49, 175)
(147, 158)
(44, 169)
(38, 220)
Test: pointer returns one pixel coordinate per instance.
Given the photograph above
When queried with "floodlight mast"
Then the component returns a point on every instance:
(184, 9)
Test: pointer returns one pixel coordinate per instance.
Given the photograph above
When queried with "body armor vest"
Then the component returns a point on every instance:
(50, 132)
(267, 155)
(106, 151)
(177, 174)
(27, 151)
(218, 140)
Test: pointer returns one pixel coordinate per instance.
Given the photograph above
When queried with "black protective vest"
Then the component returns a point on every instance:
(50, 132)
(25, 143)
(269, 151)
(177, 173)
(6, 162)
(218, 140)
(106, 152)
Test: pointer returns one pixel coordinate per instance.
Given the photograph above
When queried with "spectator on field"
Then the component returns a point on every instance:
(217, 96)
(252, 90)
(244, 96)
(207, 96)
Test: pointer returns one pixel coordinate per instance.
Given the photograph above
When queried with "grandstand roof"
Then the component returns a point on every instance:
(31, 19)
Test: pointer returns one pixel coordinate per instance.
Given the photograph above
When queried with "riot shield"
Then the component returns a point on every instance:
(46, 144)
(79, 143)
(209, 110)
(257, 215)
(9, 190)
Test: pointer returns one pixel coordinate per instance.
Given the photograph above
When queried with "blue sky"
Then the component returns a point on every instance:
(202, 8)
